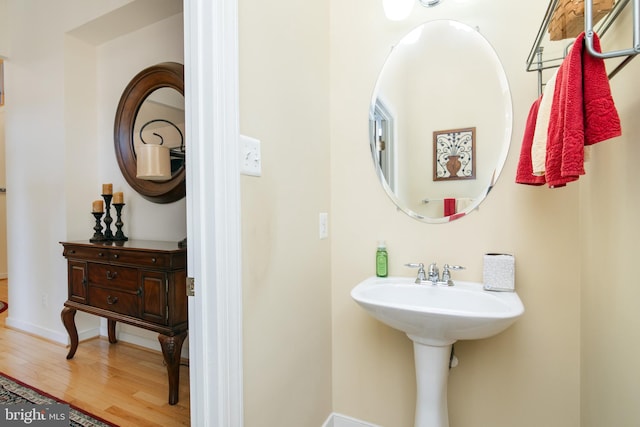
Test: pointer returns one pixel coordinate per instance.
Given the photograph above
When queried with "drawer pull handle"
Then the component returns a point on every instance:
(112, 300)
(115, 256)
(100, 254)
(72, 251)
(111, 276)
(153, 260)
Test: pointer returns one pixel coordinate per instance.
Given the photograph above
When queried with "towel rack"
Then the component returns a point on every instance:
(536, 62)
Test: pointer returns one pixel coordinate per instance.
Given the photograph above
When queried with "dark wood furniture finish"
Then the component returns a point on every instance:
(140, 283)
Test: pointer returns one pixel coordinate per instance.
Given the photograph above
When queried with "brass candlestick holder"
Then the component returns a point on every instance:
(119, 234)
(97, 236)
(108, 234)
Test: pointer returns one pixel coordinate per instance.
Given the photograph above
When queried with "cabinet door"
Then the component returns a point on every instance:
(154, 296)
(77, 271)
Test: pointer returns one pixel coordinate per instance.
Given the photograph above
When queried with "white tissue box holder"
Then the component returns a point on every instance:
(499, 272)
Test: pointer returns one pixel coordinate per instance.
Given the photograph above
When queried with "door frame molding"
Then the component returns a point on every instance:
(213, 212)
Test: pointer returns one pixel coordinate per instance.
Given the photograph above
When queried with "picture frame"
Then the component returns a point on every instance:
(454, 154)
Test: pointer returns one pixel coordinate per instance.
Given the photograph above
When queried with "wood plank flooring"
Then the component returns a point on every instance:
(121, 383)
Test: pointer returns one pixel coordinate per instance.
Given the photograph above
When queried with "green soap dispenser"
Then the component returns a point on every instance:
(382, 260)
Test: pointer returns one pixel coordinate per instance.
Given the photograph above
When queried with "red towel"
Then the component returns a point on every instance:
(565, 144)
(601, 117)
(582, 114)
(449, 207)
(524, 173)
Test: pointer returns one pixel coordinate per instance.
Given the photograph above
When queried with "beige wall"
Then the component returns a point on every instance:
(528, 376)
(4, 33)
(609, 201)
(284, 102)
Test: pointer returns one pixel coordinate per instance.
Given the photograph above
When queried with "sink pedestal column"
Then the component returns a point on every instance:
(432, 374)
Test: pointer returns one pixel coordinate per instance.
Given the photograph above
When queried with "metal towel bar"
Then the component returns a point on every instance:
(535, 61)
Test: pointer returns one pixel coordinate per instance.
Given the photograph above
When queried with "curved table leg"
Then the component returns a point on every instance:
(171, 349)
(68, 319)
(111, 330)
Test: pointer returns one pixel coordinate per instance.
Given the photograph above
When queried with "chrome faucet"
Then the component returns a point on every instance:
(433, 274)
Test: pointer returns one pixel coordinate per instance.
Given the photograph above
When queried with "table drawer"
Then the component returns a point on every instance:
(114, 300)
(142, 259)
(86, 253)
(113, 276)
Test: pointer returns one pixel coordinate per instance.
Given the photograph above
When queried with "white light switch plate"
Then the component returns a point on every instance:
(250, 156)
(323, 225)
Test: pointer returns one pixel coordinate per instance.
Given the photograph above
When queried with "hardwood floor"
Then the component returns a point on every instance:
(121, 383)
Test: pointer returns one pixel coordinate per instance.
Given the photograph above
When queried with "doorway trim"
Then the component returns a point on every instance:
(213, 212)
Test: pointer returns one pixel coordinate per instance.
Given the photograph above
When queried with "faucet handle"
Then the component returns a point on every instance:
(421, 274)
(414, 265)
(446, 274)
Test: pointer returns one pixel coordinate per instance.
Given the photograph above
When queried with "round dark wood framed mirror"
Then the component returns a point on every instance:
(157, 93)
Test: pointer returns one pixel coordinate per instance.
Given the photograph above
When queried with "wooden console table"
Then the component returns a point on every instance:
(140, 283)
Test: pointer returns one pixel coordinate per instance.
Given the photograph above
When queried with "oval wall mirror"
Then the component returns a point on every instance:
(440, 121)
(151, 112)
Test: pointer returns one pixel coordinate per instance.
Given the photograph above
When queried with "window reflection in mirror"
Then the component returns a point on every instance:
(382, 123)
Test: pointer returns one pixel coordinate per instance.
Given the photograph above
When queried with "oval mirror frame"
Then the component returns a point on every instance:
(401, 160)
(163, 75)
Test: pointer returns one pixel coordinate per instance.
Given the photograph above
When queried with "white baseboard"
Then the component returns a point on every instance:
(141, 338)
(88, 333)
(151, 344)
(339, 420)
(48, 334)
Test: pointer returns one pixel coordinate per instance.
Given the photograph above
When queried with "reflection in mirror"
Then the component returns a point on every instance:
(440, 121)
(382, 123)
(158, 135)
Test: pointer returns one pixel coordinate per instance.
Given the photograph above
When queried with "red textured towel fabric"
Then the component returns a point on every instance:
(582, 113)
(565, 143)
(524, 173)
(449, 206)
(601, 117)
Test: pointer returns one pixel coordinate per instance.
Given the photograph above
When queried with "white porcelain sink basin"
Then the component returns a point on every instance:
(438, 315)
(435, 317)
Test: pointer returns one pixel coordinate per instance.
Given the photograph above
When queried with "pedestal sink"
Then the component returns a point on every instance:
(435, 317)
